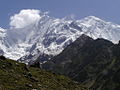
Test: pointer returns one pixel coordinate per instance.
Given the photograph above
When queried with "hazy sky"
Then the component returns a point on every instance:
(106, 9)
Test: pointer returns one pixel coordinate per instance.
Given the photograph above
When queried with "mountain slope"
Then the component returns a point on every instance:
(94, 63)
(49, 36)
(17, 76)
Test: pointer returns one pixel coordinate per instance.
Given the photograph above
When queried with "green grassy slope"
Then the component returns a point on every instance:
(17, 76)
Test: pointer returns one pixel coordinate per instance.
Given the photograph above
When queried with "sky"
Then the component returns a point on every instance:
(104, 9)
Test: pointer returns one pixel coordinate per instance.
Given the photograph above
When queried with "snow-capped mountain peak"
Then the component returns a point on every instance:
(49, 36)
(92, 18)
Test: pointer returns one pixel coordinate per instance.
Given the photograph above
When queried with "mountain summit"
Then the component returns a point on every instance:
(49, 36)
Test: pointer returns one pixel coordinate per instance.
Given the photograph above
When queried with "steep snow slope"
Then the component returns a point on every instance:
(61, 33)
(50, 36)
(2, 40)
(97, 28)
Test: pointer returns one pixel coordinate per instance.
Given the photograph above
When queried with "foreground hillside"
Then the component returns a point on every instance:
(94, 63)
(17, 76)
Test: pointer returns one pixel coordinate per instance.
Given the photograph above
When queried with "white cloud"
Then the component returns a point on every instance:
(24, 18)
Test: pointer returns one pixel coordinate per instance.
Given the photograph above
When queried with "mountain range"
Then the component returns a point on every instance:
(86, 51)
(49, 36)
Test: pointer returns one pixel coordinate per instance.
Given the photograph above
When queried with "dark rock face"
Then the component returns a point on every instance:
(94, 63)
(74, 25)
(2, 58)
(1, 52)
